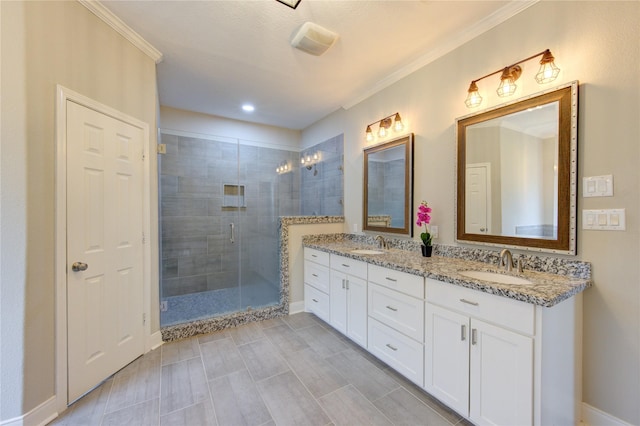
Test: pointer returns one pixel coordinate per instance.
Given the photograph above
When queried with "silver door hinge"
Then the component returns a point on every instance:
(144, 318)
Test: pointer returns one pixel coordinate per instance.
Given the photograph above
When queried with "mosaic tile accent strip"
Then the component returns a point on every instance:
(553, 279)
(208, 325)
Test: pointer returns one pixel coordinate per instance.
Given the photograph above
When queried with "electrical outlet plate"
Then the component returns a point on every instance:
(604, 220)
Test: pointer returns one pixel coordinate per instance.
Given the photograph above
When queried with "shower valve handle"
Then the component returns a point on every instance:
(233, 229)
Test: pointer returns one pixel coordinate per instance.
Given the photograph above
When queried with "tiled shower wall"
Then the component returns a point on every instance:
(197, 254)
(322, 186)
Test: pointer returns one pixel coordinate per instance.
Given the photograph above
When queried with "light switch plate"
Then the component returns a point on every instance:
(597, 186)
(604, 220)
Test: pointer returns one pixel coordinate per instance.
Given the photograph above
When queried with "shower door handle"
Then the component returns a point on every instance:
(233, 231)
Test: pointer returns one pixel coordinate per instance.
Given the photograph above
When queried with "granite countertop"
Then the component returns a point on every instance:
(547, 289)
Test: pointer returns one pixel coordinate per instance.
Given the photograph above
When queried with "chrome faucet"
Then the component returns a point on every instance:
(382, 242)
(506, 260)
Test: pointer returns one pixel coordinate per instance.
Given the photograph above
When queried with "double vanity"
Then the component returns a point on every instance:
(498, 347)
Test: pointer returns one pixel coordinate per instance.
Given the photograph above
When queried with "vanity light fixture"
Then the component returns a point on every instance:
(282, 168)
(547, 73)
(308, 160)
(385, 124)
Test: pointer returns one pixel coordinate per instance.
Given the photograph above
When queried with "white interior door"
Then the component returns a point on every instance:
(477, 199)
(104, 247)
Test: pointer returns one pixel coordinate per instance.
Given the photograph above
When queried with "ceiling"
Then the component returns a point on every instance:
(219, 54)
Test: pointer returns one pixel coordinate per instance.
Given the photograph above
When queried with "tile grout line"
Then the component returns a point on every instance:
(204, 370)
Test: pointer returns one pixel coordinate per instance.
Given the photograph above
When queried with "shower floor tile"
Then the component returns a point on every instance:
(213, 303)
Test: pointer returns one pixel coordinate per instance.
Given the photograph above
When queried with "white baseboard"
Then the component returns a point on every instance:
(296, 307)
(155, 341)
(39, 416)
(591, 416)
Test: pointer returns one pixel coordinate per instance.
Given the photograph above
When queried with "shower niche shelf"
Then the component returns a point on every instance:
(233, 196)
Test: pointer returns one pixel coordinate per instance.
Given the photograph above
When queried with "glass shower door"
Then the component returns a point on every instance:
(219, 241)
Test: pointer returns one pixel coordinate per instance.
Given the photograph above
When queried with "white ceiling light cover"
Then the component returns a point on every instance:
(313, 39)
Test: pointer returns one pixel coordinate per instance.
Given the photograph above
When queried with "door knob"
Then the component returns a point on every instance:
(79, 266)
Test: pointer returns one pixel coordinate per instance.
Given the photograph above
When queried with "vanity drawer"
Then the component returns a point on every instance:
(402, 353)
(399, 311)
(317, 256)
(509, 313)
(412, 285)
(353, 267)
(317, 275)
(317, 302)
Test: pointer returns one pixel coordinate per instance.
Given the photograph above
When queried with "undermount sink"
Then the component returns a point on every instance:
(495, 277)
(366, 251)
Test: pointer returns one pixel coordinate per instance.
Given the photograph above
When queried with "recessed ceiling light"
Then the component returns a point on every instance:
(248, 108)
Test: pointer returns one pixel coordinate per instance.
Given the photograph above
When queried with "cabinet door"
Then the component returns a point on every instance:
(501, 378)
(338, 298)
(447, 357)
(357, 310)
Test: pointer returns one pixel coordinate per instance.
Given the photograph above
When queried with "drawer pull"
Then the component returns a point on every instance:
(313, 255)
(314, 275)
(390, 346)
(392, 308)
(474, 336)
(345, 265)
(343, 284)
(391, 279)
(463, 332)
(468, 302)
(347, 280)
(315, 300)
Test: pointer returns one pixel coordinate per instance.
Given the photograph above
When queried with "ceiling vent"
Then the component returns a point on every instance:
(313, 39)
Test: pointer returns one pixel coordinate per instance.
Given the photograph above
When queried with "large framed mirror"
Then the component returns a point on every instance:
(388, 186)
(516, 173)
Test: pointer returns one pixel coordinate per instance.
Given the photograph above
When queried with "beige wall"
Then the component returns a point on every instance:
(44, 44)
(597, 43)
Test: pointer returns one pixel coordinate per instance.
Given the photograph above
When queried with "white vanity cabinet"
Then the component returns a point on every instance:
(317, 283)
(482, 371)
(493, 359)
(396, 320)
(348, 298)
(500, 361)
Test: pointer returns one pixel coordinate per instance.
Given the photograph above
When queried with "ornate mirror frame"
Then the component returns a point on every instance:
(565, 239)
(405, 142)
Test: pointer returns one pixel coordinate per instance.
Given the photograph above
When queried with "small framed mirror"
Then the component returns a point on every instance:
(516, 173)
(388, 187)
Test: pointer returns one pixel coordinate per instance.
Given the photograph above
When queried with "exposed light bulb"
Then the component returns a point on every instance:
(473, 99)
(397, 123)
(382, 132)
(369, 134)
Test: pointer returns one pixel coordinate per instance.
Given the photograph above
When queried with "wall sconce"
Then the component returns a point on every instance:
(385, 123)
(308, 160)
(283, 168)
(547, 73)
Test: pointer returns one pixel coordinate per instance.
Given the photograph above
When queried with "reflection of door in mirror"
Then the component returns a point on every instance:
(478, 199)
(525, 161)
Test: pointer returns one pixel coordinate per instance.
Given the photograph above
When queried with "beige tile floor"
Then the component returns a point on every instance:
(295, 370)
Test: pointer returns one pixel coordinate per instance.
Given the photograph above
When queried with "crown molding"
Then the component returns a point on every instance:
(117, 24)
(467, 34)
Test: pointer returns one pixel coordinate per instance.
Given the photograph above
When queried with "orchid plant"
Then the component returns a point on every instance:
(423, 218)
